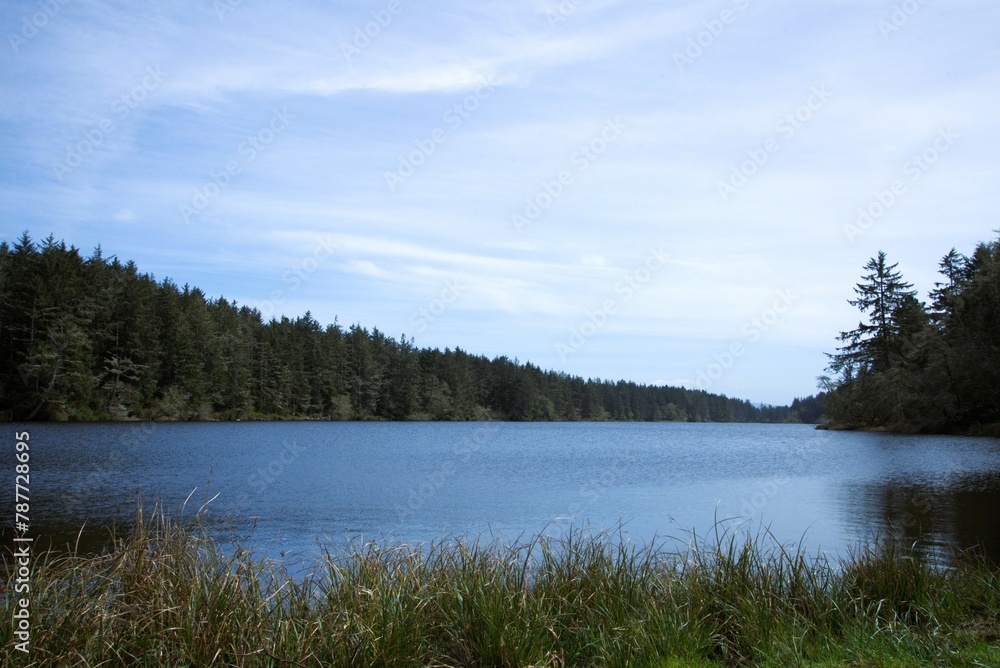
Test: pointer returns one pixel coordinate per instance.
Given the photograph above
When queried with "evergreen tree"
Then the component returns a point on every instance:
(880, 295)
(93, 338)
(913, 369)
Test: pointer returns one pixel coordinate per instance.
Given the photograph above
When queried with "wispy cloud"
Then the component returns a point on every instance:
(558, 71)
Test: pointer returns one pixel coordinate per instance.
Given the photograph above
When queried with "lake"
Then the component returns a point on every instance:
(286, 486)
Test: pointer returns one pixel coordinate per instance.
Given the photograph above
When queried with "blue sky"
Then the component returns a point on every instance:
(662, 192)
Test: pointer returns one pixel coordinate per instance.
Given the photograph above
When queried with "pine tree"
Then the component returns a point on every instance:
(882, 295)
(944, 298)
(91, 338)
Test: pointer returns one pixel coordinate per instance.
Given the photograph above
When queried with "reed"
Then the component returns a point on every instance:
(168, 595)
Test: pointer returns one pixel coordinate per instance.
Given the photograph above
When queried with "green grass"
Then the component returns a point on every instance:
(169, 596)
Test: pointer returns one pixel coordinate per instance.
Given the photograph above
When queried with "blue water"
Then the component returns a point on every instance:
(289, 486)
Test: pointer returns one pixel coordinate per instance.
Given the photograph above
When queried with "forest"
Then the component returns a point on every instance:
(921, 367)
(93, 338)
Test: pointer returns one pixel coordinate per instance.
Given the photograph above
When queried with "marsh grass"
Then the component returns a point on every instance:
(168, 595)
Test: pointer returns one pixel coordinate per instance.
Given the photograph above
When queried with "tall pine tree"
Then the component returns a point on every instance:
(884, 296)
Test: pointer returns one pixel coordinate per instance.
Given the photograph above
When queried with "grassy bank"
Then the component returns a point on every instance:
(169, 596)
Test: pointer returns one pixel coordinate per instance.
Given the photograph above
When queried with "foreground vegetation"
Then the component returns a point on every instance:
(169, 596)
(93, 338)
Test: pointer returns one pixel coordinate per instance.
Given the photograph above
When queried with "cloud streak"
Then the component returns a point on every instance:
(558, 72)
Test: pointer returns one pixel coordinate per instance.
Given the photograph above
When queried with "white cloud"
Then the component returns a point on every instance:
(557, 84)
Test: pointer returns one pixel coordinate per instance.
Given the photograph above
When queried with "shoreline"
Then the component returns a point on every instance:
(384, 420)
(169, 595)
(977, 431)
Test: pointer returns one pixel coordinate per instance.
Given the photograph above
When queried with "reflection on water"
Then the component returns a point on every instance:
(958, 513)
(287, 486)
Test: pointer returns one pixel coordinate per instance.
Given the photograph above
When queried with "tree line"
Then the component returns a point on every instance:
(92, 338)
(914, 366)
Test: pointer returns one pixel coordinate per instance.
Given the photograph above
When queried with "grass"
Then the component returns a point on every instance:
(167, 595)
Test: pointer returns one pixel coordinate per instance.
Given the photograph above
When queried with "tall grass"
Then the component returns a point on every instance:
(168, 595)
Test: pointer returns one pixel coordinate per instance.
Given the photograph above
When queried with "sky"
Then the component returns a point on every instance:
(678, 193)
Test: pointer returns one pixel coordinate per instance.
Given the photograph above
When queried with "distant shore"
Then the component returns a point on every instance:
(983, 430)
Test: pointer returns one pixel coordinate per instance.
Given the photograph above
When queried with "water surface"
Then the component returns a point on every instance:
(289, 485)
